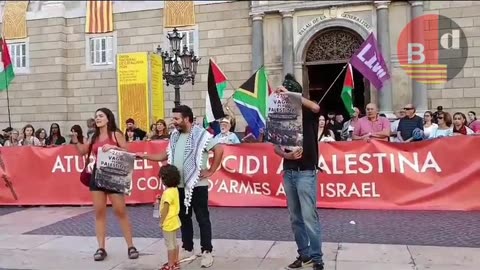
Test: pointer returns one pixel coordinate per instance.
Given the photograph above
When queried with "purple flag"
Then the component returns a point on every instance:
(368, 60)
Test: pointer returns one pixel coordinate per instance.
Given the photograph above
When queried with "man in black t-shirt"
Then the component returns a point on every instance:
(139, 134)
(300, 184)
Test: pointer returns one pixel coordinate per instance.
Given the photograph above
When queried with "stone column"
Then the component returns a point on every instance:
(383, 37)
(419, 95)
(287, 45)
(257, 41)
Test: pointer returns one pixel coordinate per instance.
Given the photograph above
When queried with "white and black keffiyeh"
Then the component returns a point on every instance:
(195, 145)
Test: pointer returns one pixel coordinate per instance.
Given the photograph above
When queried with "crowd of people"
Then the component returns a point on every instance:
(407, 126)
(28, 136)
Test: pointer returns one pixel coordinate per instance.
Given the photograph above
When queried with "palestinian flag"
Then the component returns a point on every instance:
(252, 101)
(347, 96)
(217, 83)
(6, 72)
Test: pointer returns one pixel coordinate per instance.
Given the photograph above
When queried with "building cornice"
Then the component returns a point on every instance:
(416, 3)
(57, 9)
(273, 7)
(382, 4)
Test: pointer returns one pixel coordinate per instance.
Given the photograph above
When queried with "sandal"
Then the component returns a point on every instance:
(133, 253)
(100, 255)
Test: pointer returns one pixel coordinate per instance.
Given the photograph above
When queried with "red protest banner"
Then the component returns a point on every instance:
(440, 174)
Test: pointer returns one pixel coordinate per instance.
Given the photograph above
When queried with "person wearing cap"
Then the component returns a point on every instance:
(6, 135)
(226, 136)
(435, 114)
(300, 182)
(139, 134)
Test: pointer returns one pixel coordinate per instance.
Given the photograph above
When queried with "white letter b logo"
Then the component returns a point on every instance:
(419, 48)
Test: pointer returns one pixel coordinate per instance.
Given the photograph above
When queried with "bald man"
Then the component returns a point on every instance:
(372, 126)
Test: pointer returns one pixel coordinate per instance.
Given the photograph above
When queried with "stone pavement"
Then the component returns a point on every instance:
(21, 249)
(371, 227)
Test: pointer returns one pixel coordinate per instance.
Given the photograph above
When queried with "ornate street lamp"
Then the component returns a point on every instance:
(180, 65)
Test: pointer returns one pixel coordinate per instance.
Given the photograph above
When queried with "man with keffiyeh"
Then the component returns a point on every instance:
(188, 150)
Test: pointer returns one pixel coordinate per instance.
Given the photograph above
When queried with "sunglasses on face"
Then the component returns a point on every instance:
(407, 109)
(440, 118)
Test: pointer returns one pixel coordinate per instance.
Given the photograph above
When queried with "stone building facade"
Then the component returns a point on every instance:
(59, 83)
(299, 36)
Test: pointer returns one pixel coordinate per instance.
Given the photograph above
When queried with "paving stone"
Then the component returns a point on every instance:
(8, 210)
(25, 241)
(46, 259)
(377, 227)
(242, 248)
(373, 266)
(446, 267)
(281, 263)
(230, 263)
(374, 253)
(71, 244)
(425, 255)
(32, 218)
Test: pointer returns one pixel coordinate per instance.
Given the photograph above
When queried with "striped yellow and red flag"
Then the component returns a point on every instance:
(99, 17)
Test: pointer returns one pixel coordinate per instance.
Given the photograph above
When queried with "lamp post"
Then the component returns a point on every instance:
(180, 64)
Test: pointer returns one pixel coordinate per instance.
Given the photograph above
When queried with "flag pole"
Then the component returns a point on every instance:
(331, 85)
(231, 97)
(8, 104)
(6, 86)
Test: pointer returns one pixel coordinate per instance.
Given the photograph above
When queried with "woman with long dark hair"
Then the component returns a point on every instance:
(107, 136)
(77, 131)
(55, 138)
(324, 133)
(460, 124)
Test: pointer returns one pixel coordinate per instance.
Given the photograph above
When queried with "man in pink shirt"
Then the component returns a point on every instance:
(372, 126)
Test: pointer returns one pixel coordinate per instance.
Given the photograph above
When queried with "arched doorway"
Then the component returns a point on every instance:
(324, 58)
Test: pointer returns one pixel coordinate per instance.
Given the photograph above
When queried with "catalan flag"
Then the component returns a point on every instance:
(99, 17)
(427, 73)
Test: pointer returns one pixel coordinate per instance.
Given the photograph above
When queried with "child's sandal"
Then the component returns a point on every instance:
(100, 255)
(133, 253)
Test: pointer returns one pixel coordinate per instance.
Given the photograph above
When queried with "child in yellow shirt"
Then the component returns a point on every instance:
(169, 210)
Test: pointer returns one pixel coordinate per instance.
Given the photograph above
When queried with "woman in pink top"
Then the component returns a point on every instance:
(107, 136)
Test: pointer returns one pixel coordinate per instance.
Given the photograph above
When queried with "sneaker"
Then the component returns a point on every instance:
(186, 256)
(207, 259)
(300, 263)
(318, 266)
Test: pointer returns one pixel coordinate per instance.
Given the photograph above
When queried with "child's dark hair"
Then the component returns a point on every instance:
(170, 175)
